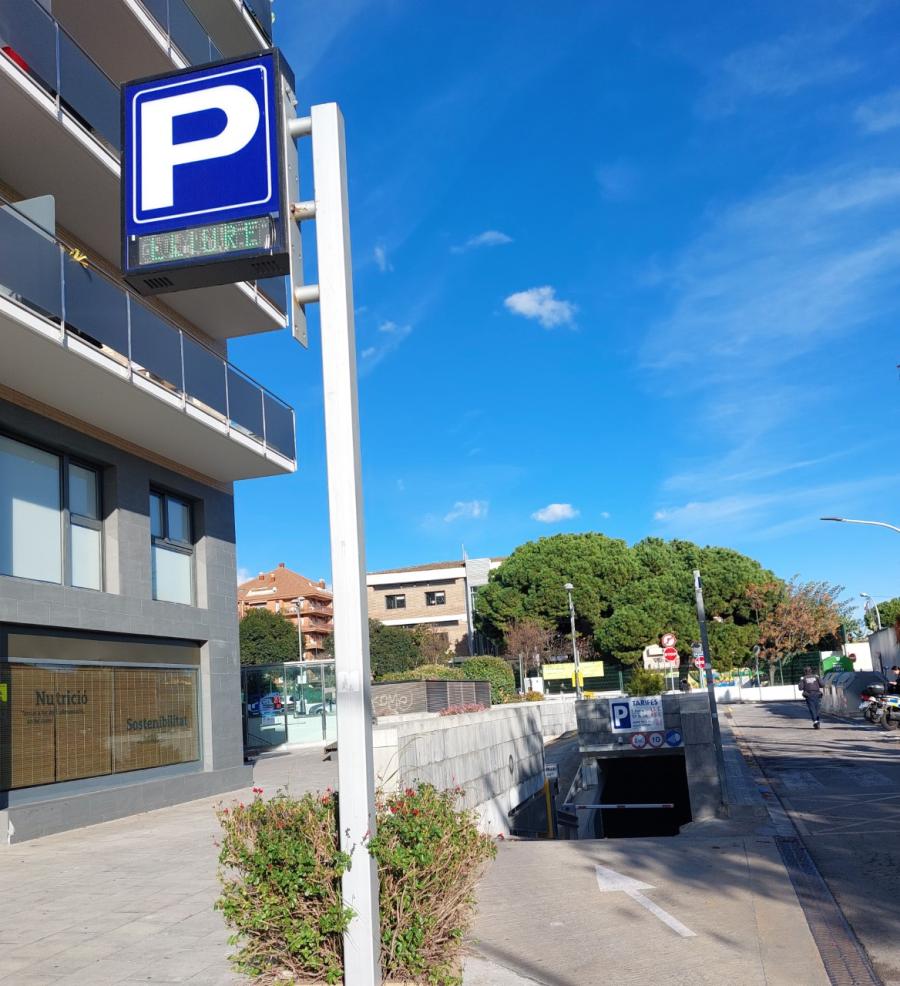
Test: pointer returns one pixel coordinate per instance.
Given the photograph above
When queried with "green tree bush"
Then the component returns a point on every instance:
(425, 672)
(889, 611)
(392, 649)
(280, 869)
(267, 638)
(625, 597)
(496, 671)
(644, 682)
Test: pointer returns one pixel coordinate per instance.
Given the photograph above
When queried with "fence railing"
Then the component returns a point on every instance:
(40, 273)
(183, 29)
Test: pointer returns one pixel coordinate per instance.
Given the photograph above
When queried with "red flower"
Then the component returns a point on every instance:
(410, 792)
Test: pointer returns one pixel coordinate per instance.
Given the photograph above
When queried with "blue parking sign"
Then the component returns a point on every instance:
(202, 188)
(620, 715)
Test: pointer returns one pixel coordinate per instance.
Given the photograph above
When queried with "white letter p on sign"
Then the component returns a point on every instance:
(160, 154)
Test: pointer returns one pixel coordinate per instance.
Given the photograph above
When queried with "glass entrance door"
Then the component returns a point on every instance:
(311, 702)
(265, 707)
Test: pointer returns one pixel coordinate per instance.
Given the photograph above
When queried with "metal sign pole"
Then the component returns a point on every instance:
(710, 682)
(356, 783)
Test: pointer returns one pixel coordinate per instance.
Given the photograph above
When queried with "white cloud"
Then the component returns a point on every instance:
(779, 67)
(543, 305)
(605, 514)
(401, 486)
(243, 575)
(391, 335)
(880, 113)
(553, 513)
(467, 510)
(490, 237)
(775, 276)
(381, 258)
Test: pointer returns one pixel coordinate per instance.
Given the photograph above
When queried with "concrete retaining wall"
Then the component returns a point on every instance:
(496, 756)
(728, 694)
(557, 717)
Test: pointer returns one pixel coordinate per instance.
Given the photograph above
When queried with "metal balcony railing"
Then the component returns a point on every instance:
(34, 41)
(39, 273)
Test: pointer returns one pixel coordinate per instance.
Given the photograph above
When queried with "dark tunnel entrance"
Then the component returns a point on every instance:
(642, 780)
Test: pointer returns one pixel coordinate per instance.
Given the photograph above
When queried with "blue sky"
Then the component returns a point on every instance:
(630, 268)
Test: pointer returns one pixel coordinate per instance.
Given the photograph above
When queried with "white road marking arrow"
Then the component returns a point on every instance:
(608, 880)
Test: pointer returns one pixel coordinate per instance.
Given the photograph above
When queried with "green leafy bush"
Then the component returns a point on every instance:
(496, 671)
(644, 682)
(425, 672)
(281, 867)
(430, 856)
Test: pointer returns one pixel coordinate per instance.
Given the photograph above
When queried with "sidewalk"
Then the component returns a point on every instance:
(543, 918)
(131, 901)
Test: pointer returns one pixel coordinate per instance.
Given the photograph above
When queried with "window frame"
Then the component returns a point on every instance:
(68, 519)
(431, 597)
(390, 601)
(173, 544)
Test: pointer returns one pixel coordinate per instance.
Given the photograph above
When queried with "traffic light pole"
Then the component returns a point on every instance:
(710, 684)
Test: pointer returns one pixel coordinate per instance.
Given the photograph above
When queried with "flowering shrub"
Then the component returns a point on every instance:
(430, 856)
(458, 710)
(281, 867)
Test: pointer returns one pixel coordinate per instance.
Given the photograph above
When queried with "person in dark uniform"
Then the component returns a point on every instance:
(810, 686)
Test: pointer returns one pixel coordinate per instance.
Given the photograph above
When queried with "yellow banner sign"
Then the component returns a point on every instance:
(566, 672)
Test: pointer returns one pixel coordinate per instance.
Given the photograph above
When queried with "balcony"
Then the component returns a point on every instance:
(133, 38)
(53, 92)
(239, 25)
(77, 341)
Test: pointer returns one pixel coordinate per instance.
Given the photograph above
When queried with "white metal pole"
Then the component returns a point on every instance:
(356, 784)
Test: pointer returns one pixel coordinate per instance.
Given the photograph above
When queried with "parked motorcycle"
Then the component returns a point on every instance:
(872, 702)
(890, 713)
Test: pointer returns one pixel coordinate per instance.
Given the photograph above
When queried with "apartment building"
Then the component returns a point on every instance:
(295, 597)
(123, 427)
(439, 596)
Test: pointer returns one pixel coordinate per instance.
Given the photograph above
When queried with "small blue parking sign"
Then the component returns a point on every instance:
(620, 715)
(673, 737)
(202, 186)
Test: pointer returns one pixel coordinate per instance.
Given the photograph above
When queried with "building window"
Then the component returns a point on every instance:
(435, 598)
(395, 602)
(171, 534)
(71, 721)
(50, 511)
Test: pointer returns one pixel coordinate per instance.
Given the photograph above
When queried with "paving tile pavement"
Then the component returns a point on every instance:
(130, 901)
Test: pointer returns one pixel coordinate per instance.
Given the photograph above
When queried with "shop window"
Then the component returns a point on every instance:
(70, 722)
(172, 545)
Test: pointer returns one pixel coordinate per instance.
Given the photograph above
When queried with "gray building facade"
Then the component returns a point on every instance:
(123, 428)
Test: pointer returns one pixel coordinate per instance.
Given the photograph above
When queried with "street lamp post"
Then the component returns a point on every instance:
(578, 693)
(871, 523)
(869, 599)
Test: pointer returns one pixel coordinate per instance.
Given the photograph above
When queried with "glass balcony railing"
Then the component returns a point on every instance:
(39, 273)
(34, 41)
(261, 12)
(184, 31)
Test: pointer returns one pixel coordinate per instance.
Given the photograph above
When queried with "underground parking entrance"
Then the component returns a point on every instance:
(646, 796)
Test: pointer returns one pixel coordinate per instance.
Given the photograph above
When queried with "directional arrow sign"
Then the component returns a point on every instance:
(608, 880)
